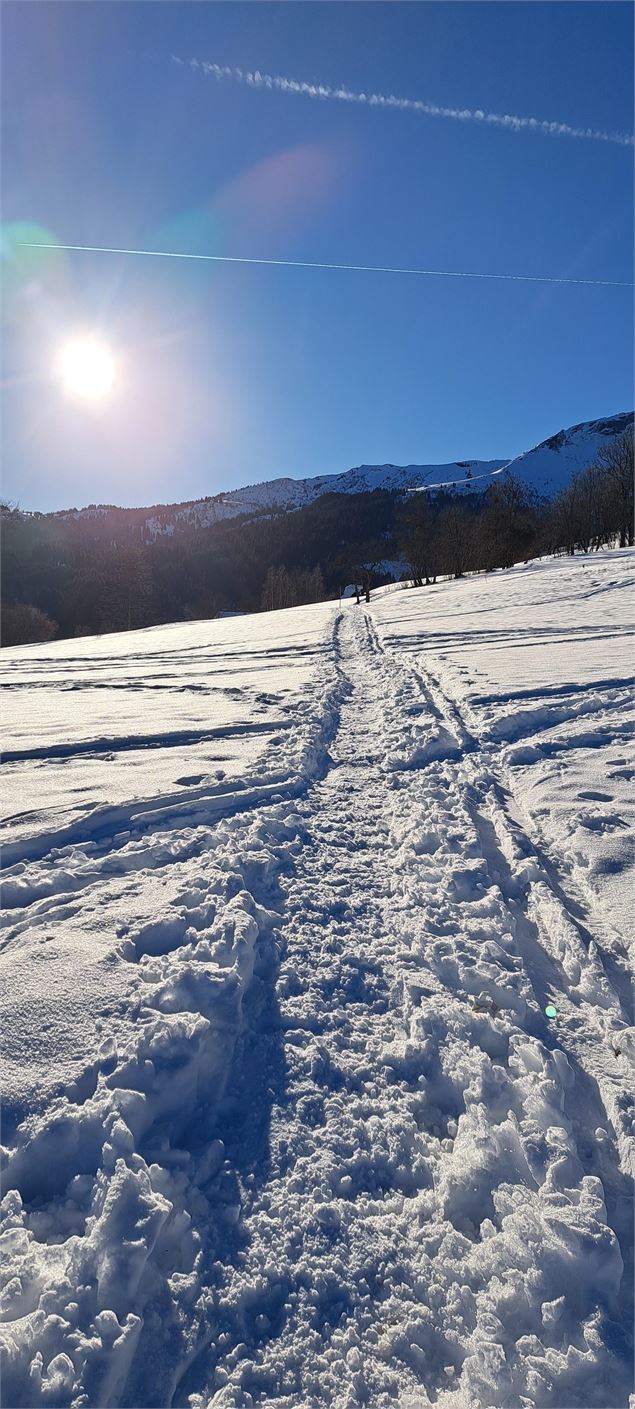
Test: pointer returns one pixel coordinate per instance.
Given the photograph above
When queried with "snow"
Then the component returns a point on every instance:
(284, 495)
(286, 1120)
(288, 494)
(100, 730)
(540, 669)
(550, 466)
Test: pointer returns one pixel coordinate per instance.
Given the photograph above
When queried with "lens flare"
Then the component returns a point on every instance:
(86, 368)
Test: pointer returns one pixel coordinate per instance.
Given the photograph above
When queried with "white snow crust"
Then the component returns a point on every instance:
(286, 898)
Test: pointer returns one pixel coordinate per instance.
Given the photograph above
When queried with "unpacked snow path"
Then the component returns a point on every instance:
(341, 1156)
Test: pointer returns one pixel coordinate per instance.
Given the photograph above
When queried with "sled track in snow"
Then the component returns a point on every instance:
(341, 1157)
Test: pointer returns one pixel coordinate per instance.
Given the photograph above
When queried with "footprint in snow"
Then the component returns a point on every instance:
(599, 823)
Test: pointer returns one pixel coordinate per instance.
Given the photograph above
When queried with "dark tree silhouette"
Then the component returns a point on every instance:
(616, 461)
(22, 624)
(419, 539)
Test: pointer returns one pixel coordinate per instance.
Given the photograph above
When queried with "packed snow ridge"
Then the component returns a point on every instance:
(547, 469)
(317, 1005)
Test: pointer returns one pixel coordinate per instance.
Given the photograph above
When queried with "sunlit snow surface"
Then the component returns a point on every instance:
(165, 715)
(287, 897)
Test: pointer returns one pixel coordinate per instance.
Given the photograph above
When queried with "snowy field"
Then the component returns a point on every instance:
(287, 899)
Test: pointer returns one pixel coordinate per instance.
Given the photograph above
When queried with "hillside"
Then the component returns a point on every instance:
(107, 569)
(545, 468)
(550, 466)
(317, 1006)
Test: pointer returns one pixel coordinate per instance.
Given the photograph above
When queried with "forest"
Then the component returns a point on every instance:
(74, 576)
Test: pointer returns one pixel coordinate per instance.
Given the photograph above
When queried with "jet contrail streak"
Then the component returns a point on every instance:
(275, 83)
(322, 264)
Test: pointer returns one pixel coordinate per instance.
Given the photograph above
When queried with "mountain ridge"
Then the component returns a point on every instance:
(546, 468)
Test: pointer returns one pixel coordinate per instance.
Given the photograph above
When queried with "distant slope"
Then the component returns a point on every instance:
(546, 468)
(550, 465)
(285, 495)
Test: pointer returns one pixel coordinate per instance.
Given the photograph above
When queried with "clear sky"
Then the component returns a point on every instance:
(233, 374)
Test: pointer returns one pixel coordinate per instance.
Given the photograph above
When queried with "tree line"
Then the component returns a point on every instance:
(74, 576)
(510, 523)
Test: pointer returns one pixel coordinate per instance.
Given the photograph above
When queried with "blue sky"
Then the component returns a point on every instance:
(233, 374)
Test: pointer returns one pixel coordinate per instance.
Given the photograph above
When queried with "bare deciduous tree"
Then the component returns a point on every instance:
(507, 524)
(596, 507)
(22, 623)
(616, 461)
(456, 540)
(291, 589)
(419, 540)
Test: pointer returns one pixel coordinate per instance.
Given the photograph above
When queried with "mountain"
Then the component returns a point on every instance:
(284, 495)
(287, 542)
(279, 496)
(546, 468)
(551, 465)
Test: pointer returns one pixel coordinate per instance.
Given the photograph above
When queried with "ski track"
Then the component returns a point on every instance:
(338, 1156)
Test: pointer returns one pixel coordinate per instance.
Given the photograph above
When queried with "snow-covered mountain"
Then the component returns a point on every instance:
(546, 468)
(550, 465)
(284, 495)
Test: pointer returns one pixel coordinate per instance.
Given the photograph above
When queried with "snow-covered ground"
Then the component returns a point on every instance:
(286, 1120)
(101, 729)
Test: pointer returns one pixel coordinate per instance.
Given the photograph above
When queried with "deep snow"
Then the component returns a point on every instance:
(287, 897)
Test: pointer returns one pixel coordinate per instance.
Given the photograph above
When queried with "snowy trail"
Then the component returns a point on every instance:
(348, 1160)
(400, 1193)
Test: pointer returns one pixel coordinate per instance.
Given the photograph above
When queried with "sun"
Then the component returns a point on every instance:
(87, 368)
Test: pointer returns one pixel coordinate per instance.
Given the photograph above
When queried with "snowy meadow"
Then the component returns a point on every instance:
(317, 1004)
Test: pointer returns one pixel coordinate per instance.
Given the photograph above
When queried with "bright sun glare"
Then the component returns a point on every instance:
(87, 368)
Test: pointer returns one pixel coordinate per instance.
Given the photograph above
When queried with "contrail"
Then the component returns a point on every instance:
(322, 264)
(274, 82)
